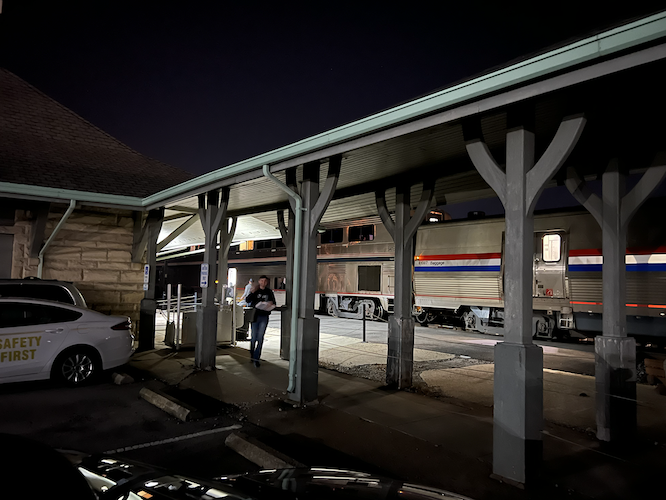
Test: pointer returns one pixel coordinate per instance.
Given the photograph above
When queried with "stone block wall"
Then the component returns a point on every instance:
(93, 250)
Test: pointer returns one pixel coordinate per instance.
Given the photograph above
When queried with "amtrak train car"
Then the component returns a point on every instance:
(458, 275)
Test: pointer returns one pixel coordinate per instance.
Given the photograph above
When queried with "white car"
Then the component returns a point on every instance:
(41, 339)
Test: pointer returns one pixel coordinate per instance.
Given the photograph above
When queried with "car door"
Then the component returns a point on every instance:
(31, 335)
(550, 265)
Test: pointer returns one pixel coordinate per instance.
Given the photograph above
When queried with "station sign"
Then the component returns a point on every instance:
(146, 276)
(203, 278)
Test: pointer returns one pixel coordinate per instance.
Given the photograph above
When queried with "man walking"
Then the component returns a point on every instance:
(263, 300)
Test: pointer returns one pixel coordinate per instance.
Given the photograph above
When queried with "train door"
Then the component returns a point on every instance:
(550, 264)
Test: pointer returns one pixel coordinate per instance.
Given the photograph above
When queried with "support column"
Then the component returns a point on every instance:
(287, 233)
(518, 382)
(400, 358)
(314, 204)
(212, 211)
(148, 308)
(226, 236)
(615, 353)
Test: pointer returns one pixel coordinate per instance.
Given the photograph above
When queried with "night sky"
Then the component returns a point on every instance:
(203, 84)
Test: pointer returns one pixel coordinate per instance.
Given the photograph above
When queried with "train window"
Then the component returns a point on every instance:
(332, 236)
(369, 278)
(262, 244)
(247, 245)
(551, 245)
(362, 233)
(279, 244)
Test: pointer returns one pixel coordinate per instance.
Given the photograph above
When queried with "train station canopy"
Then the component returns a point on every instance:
(613, 77)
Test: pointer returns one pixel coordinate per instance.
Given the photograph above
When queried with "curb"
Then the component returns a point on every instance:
(122, 379)
(170, 405)
(258, 453)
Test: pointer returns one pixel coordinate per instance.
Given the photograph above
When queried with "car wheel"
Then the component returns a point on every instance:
(77, 367)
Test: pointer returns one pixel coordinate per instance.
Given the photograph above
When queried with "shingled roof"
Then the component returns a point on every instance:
(42, 143)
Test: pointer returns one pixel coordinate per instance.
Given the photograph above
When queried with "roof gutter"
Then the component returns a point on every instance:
(296, 280)
(70, 209)
(41, 193)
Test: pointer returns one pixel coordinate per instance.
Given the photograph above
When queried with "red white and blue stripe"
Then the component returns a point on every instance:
(637, 260)
(462, 262)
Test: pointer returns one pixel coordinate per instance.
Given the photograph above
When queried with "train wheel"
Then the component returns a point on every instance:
(422, 317)
(469, 320)
(330, 308)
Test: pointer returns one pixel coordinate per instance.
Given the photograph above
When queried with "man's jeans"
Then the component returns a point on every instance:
(258, 329)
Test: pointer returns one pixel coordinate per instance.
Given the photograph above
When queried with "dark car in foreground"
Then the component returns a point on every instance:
(34, 470)
(119, 479)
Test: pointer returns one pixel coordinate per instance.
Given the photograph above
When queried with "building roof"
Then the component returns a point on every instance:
(42, 143)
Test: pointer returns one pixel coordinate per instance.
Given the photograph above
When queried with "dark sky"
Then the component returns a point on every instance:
(202, 84)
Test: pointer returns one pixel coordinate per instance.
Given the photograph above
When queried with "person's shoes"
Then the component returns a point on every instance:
(257, 364)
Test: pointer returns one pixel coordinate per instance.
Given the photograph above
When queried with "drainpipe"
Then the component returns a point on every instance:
(297, 274)
(72, 205)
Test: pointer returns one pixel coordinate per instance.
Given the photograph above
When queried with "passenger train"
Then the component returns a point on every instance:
(458, 273)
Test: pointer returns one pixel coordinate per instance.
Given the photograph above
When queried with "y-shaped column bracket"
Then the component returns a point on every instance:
(615, 366)
(400, 359)
(326, 195)
(287, 233)
(211, 215)
(518, 385)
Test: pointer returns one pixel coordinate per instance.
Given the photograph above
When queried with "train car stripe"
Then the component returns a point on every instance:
(649, 306)
(460, 256)
(451, 269)
(630, 267)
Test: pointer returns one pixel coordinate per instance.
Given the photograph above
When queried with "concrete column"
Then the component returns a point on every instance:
(148, 307)
(212, 211)
(287, 233)
(615, 353)
(518, 384)
(400, 358)
(315, 204)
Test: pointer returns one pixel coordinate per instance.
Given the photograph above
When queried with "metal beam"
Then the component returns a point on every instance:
(178, 231)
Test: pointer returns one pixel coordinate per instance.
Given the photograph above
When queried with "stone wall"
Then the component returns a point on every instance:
(93, 250)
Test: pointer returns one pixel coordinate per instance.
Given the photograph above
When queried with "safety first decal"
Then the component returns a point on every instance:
(18, 348)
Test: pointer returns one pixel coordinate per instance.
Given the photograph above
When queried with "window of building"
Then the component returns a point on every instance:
(551, 245)
(332, 236)
(369, 278)
(362, 233)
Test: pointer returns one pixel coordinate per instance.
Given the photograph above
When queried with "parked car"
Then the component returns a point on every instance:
(35, 288)
(116, 478)
(41, 339)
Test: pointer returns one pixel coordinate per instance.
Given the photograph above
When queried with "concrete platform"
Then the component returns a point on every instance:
(443, 439)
